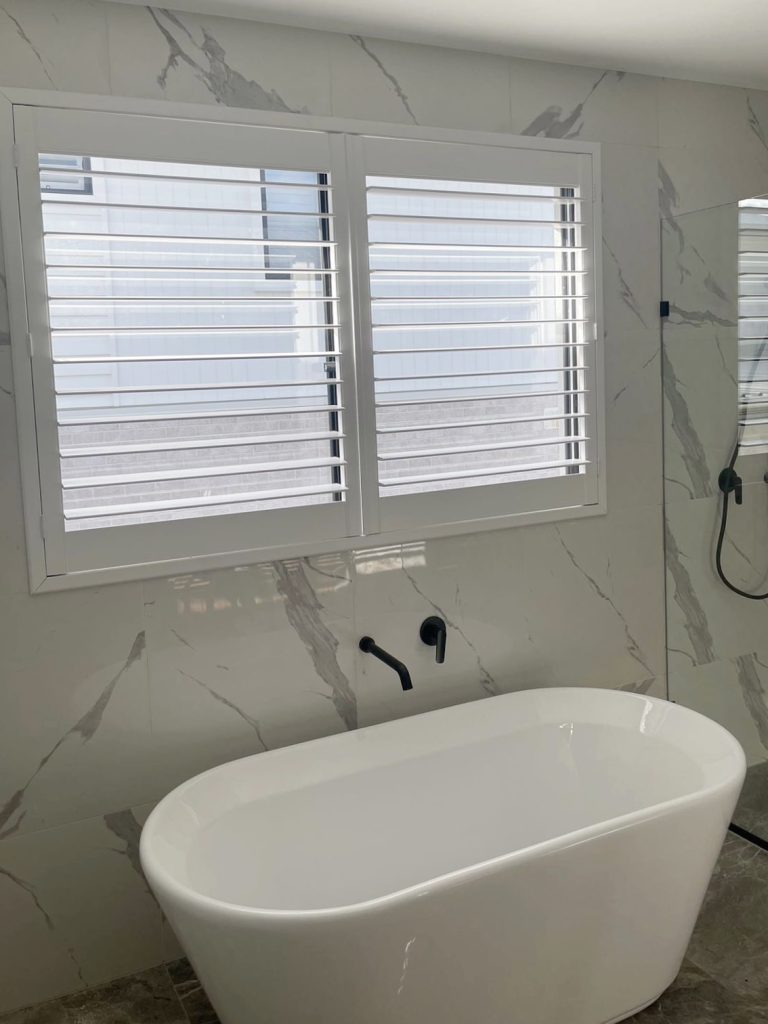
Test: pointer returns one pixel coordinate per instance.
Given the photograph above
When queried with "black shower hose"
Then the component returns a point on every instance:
(721, 539)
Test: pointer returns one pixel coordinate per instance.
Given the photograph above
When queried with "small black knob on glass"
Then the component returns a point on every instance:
(434, 633)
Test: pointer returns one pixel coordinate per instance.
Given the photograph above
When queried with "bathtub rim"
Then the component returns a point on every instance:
(188, 897)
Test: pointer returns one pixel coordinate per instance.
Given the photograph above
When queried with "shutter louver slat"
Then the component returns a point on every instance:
(195, 339)
(492, 276)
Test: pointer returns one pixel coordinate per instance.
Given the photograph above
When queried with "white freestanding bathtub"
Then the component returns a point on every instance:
(535, 858)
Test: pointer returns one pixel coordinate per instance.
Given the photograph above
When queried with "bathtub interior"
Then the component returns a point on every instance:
(369, 814)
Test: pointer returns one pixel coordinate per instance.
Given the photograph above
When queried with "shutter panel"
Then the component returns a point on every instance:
(483, 332)
(193, 316)
(753, 322)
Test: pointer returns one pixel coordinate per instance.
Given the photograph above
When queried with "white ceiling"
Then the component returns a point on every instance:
(707, 40)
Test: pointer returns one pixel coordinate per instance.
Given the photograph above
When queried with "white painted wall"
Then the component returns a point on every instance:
(110, 697)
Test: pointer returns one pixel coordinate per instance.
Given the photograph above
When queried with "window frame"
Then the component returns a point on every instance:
(41, 577)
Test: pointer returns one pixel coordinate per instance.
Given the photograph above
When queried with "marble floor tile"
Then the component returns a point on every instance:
(193, 999)
(752, 809)
(696, 998)
(731, 938)
(146, 998)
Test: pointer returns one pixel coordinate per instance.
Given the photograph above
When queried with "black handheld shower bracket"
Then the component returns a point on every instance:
(730, 482)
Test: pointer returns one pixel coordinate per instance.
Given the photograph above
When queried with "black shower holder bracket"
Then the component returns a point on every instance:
(730, 482)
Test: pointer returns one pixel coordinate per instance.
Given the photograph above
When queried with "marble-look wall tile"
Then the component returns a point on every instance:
(74, 713)
(630, 255)
(75, 910)
(46, 45)
(699, 374)
(706, 622)
(504, 636)
(732, 691)
(713, 143)
(241, 661)
(380, 80)
(164, 54)
(700, 350)
(565, 102)
(630, 250)
(633, 418)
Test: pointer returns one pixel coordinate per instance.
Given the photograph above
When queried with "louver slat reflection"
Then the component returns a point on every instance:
(753, 322)
(193, 323)
(480, 330)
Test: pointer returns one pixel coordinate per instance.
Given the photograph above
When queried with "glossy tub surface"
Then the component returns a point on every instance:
(533, 858)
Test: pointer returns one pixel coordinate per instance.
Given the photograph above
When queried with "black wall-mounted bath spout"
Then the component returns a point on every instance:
(434, 633)
(369, 646)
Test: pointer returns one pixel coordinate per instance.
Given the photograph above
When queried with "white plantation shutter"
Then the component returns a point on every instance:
(482, 325)
(188, 341)
(252, 342)
(753, 322)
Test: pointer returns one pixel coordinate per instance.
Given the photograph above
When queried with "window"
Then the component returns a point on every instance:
(249, 342)
(753, 320)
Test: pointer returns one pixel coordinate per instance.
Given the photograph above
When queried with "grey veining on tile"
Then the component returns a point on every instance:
(398, 89)
(85, 728)
(754, 123)
(487, 681)
(302, 608)
(554, 123)
(125, 827)
(207, 61)
(30, 890)
(633, 648)
(669, 199)
(627, 295)
(249, 719)
(755, 694)
(699, 317)
(21, 33)
(691, 448)
(684, 596)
